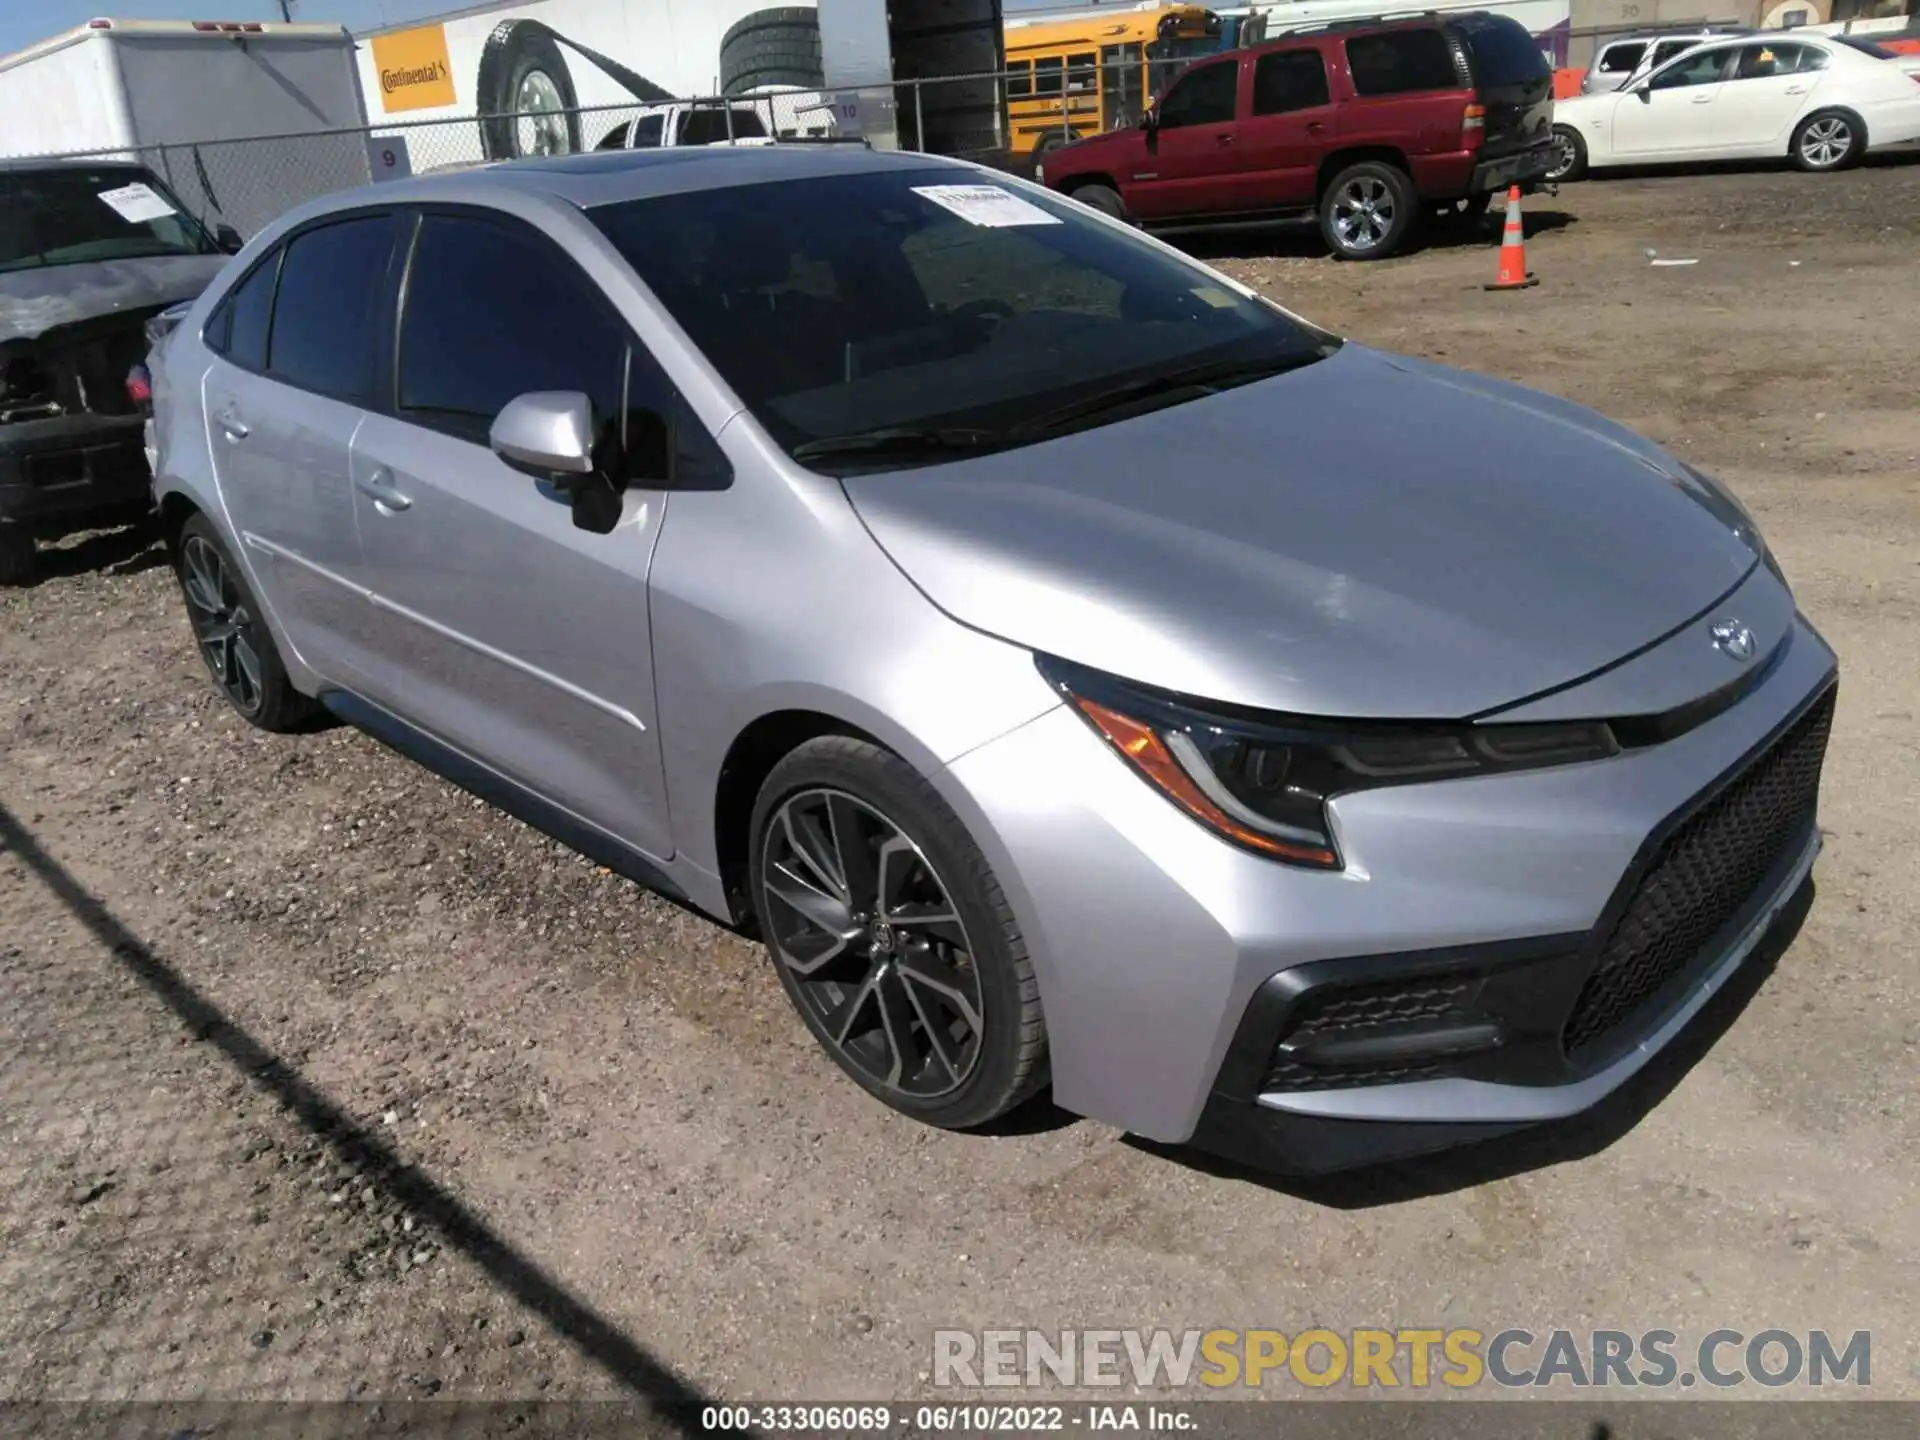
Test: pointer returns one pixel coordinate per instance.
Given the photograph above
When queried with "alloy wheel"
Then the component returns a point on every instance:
(1826, 142)
(222, 623)
(873, 944)
(1565, 156)
(1363, 214)
(542, 124)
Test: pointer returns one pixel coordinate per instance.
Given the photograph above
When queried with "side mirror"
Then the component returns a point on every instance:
(228, 239)
(1150, 119)
(548, 434)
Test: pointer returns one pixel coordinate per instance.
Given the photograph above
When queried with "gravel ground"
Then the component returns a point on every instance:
(320, 1079)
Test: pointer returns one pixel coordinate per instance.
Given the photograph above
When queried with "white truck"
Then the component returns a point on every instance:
(123, 88)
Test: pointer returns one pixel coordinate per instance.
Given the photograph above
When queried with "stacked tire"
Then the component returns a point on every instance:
(780, 46)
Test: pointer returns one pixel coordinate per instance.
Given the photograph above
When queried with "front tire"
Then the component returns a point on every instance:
(1103, 198)
(1569, 155)
(1368, 212)
(231, 633)
(1828, 140)
(892, 938)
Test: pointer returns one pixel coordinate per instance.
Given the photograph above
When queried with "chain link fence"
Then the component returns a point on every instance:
(1008, 119)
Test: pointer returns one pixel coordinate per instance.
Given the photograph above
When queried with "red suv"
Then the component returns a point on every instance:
(1365, 123)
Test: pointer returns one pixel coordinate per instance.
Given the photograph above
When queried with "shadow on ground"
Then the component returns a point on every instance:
(1576, 1138)
(672, 1401)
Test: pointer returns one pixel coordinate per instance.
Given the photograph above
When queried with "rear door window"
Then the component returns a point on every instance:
(238, 329)
(1621, 59)
(326, 315)
(1667, 49)
(1202, 96)
(709, 127)
(1289, 80)
(1400, 62)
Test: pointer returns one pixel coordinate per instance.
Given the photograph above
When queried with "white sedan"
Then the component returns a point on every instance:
(1821, 100)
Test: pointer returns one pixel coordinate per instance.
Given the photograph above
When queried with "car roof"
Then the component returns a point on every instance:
(608, 177)
(1347, 27)
(1681, 32)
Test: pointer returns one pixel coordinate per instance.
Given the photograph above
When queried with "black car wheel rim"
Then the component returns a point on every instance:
(874, 945)
(222, 623)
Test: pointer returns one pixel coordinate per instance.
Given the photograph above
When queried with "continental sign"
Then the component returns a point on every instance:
(414, 71)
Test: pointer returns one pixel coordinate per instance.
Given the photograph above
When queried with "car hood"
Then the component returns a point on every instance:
(1369, 536)
(33, 302)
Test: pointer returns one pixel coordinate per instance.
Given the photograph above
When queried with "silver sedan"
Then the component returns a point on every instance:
(1077, 669)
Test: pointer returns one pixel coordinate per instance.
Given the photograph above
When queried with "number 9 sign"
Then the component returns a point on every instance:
(387, 157)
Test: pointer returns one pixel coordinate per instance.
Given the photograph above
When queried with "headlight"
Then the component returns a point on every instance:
(1263, 781)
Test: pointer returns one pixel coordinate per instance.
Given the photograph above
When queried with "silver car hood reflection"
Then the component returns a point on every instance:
(1370, 536)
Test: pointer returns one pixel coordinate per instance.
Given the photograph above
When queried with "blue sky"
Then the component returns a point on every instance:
(23, 23)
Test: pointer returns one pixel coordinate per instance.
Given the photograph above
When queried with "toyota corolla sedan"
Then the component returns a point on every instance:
(1077, 669)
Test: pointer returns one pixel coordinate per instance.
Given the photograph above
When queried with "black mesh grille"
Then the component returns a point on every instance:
(1701, 877)
(1352, 1012)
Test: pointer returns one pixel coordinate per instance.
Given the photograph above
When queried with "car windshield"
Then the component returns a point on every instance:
(940, 303)
(72, 217)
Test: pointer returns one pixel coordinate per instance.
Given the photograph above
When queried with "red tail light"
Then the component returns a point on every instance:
(1473, 125)
(140, 386)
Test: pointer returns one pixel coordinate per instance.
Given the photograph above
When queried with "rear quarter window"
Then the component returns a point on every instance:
(1620, 59)
(1402, 61)
(1502, 52)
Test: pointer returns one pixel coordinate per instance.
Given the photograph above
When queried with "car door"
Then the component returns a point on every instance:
(1190, 167)
(520, 640)
(1770, 87)
(1666, 116)
(298, 341)
(1291, 124)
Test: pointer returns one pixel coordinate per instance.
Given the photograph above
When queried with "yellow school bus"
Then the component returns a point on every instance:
(1069, 78)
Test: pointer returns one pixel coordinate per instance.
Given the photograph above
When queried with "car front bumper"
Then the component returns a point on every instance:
(1192, 989)
(68, 472)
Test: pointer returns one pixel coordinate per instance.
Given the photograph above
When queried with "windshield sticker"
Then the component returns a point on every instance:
(986, 205)
(137, 204)
(1218, 299)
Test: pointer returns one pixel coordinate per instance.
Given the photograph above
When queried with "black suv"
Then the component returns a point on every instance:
(89, 252)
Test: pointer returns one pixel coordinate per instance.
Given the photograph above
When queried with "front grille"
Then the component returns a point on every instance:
(1701, 877)
(1354, 1012)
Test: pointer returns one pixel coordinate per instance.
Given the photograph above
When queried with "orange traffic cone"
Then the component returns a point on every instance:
(1512, 274)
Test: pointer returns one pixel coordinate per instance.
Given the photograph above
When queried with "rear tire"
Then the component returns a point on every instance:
(19, 558)
(1569, 155)
(901, 953)
(1369, 211)
(1103, 198)
(231, 633)
(1828, 140)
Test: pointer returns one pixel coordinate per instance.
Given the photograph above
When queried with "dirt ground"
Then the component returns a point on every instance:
(320, 1079)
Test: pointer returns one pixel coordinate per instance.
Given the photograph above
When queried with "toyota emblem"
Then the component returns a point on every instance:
(1733, 640)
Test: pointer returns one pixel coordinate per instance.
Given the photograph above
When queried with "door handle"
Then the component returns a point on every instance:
(1223, 139)
(1797, 89)
(378, 486)
(1703, 99)
(1314, 127)
(231, 424)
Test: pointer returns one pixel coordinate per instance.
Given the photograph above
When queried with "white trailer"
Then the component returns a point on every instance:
(560, 76)
(123, 88)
